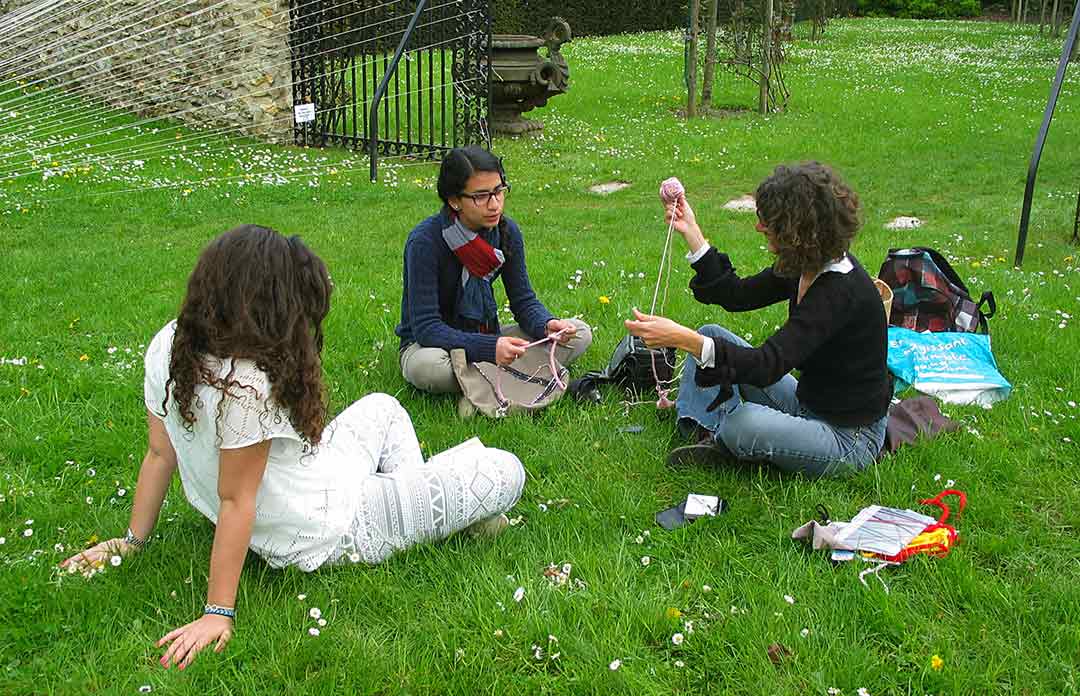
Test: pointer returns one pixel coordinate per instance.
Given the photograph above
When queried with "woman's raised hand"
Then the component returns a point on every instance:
(97, 556)
(683, 216)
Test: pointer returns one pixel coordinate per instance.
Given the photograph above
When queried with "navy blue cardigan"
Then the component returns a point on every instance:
(432, 277)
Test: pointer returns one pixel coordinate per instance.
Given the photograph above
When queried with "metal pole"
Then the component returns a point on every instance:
(1076, 223)
(1040, 141)
(373, 144)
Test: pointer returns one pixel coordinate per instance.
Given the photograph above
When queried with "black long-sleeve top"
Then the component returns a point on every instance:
(836, 337)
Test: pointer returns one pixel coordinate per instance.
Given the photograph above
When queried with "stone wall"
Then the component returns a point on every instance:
(208, 63)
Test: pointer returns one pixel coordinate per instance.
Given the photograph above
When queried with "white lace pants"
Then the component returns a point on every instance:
(403, 500)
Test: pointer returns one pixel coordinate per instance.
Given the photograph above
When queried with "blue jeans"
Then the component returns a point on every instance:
(769, 424)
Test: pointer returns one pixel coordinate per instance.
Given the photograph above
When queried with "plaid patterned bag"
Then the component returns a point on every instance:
(928, 295)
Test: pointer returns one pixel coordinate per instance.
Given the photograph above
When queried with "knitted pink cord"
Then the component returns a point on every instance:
(552, 365)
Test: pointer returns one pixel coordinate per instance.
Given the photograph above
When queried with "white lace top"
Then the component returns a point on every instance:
(305, 503)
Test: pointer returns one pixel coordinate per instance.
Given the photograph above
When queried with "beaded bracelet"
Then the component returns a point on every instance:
(219, 610)
(135, 541)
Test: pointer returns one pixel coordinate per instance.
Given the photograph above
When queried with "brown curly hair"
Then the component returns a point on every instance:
(258, 295)
(811, 214)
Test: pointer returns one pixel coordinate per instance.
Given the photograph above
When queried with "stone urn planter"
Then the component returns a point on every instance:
(522, 79)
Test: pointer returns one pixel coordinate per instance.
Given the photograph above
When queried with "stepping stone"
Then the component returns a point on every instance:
(610, 187)
(742, 204)
(903, 223)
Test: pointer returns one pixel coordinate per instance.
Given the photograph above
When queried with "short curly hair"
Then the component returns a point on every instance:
(811, 214)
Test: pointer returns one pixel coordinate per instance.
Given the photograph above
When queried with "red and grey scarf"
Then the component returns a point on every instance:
(480, 264)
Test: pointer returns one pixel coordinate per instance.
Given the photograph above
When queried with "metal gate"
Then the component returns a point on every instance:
(393, 77)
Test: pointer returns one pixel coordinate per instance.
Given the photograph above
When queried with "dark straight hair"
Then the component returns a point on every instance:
(461, 163)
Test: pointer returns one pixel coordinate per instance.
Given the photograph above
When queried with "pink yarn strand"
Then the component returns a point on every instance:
(671, 192)
(552, 365)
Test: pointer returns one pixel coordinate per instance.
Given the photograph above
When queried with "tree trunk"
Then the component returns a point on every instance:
(1042, 16)
(710, 53)
(691, 61)
(1012, 9)
(766, 58)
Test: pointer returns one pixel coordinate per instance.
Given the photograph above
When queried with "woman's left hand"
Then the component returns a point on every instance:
(658, 332)
(564, 325)
(188, 641)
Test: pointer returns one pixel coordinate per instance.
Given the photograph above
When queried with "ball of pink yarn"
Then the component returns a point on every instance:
(671, 190)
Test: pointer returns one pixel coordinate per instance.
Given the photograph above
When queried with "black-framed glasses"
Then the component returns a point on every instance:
(482, 198)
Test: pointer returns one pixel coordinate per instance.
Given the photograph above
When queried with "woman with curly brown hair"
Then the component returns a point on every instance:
(236, 402)
(742, 401)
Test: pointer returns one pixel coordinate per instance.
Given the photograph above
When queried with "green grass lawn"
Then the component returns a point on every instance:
(934, 119)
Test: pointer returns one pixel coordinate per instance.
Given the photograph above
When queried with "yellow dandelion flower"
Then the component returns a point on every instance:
(604, 299)
(672, 613)
(936, 663)
(84, 357)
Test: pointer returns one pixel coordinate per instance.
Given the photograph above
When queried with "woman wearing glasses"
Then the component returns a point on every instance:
(451, 262)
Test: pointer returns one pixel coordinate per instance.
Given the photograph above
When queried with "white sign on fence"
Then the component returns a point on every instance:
(304, 113)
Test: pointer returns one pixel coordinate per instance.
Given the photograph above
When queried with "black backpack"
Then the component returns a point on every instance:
(928, 294)
(631, 366)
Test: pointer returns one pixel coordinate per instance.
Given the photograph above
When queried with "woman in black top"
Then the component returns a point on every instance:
(741, 400)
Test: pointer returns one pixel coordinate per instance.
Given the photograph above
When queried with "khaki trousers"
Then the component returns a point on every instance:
(429, 369)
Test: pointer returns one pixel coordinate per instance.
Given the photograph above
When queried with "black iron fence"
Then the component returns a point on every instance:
(437, 96)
